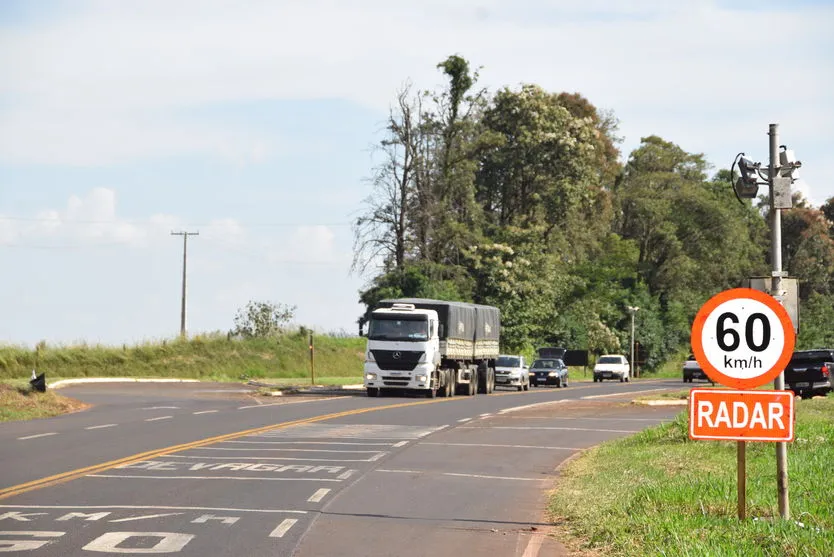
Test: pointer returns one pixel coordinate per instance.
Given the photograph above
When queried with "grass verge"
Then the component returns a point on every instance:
(20, 403)
(660, 493)
(207, 357)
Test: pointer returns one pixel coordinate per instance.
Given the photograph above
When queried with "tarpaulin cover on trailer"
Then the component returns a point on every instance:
(460, 320)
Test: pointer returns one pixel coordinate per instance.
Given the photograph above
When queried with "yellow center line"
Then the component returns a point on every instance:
(96, 468)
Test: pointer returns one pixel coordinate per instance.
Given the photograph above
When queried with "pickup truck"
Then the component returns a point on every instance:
(809, 372)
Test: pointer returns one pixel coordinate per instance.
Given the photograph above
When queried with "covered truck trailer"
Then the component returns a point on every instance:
(434, 346)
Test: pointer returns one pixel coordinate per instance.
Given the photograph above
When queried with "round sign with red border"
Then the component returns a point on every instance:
(742, 338)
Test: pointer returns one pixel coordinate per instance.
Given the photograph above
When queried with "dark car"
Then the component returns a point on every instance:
(692, 370)
(809, 372)
(548, 371)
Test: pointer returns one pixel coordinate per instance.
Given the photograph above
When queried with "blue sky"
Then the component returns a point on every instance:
(252, 123)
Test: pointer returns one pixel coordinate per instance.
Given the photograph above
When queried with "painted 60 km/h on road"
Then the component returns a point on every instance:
(742, 338)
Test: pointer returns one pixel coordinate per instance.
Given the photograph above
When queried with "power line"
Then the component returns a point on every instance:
(185, 236)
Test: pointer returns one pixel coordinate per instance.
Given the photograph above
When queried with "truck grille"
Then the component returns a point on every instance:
(397, 360)
(395, 381)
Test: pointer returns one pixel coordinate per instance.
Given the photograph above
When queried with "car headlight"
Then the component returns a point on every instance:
(421, 378)
(552, 374)
(370, 376)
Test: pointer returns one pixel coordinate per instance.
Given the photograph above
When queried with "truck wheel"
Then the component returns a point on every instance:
(622, 379)
(483, 380)
(373, 391)
(431, 393)
(473, 384)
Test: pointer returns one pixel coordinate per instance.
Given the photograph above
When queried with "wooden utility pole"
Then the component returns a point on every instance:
(185, 236)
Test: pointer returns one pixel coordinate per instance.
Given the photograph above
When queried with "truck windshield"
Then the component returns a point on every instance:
(397, 328)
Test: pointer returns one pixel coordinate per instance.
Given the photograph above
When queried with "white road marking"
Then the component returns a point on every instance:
(245, 478)
(283, 528)
(349, 443)
(581, 418)
(275, 458)
(464, 420)
(291, 402)
(204, 412)
(318, 495)
(623, 394)
(485, 415)
(558, 428)
(150, 507)
(477, 476)
(435, 430)
(532, 549)
(400, 444)
(505, 446)
(36, 436)
(346, 475)
(101, 426)
(159, 418)
(162, 408)
(375, 457)
(296, 450)
(526, 406)
(131, 518)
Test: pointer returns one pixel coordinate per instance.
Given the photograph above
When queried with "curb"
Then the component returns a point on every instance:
(67, 382)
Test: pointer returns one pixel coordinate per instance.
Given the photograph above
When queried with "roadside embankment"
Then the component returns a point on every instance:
(660, 493)
(212, 357)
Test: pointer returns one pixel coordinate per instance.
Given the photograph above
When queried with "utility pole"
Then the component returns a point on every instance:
(185, 236)
(632, 310)
(776, 290)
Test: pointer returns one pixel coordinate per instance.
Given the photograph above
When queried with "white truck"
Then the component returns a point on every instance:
(431, 346)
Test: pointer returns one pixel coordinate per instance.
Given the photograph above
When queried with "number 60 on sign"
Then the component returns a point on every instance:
(742, 338)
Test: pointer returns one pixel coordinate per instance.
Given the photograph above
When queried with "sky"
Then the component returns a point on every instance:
(253, 123)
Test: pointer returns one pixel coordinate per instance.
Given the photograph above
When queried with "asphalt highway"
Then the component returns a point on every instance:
(199, 469)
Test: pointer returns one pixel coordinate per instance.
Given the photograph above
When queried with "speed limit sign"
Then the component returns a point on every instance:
(742, 338)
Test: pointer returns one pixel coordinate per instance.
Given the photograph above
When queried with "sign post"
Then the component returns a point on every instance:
(743, 339)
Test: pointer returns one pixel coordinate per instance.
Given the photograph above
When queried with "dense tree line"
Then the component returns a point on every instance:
(518, 199)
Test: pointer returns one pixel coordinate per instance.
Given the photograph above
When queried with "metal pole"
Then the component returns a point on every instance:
(312, 363)
(633, 366)
(775, 289)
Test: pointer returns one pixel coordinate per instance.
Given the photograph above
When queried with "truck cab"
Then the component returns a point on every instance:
(403, 349)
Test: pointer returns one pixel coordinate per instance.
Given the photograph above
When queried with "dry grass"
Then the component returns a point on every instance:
(21, 403)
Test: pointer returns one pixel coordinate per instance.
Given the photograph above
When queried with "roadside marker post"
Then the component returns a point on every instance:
(743, 339)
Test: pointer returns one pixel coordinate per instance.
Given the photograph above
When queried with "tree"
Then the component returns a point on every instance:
(262, 319)
(385, 230)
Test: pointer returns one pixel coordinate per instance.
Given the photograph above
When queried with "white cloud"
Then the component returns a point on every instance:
(88, 220)
(108, 83)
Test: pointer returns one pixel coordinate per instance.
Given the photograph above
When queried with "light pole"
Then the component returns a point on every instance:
(782, 171)
(632, 310)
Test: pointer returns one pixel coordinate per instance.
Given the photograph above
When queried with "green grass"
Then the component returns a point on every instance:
(660, 493)
(206, 357)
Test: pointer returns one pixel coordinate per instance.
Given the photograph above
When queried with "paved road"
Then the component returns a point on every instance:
(336, 476)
